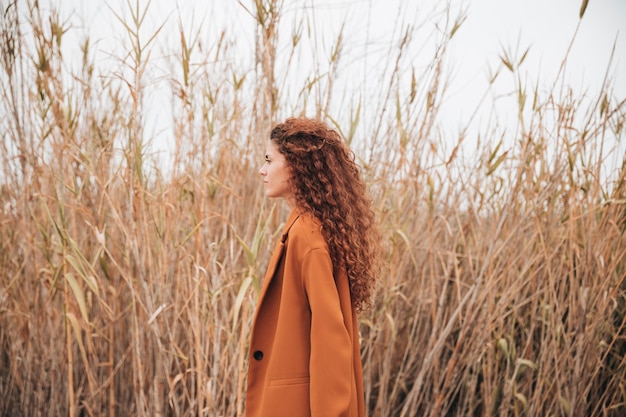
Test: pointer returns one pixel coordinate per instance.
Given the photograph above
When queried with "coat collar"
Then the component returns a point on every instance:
(290, 221)
(278, 252)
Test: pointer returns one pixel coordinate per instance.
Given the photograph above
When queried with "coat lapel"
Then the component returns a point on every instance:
(277, 254)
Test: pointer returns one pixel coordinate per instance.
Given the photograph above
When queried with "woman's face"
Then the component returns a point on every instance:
(276, 174)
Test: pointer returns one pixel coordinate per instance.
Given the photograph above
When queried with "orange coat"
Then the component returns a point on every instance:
(304, 355)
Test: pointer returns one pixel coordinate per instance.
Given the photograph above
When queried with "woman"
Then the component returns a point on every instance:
(304, 350)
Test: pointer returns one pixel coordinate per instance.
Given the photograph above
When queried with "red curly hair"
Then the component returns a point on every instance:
(327, 184)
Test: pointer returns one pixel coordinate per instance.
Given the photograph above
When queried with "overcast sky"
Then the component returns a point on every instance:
(492, 26)
(546, 26)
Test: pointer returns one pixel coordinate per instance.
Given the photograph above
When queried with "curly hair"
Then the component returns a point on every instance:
(327, 184)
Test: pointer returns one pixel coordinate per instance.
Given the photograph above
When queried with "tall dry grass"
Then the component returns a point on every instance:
(128, 284)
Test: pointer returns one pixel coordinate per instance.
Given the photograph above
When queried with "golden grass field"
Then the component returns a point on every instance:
(127, 289)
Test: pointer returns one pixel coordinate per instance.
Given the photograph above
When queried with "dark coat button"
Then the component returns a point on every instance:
(258, 355)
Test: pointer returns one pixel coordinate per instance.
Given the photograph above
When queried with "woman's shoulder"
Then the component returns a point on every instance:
(307, 229)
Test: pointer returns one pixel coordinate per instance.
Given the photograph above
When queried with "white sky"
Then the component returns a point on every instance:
(546, 26)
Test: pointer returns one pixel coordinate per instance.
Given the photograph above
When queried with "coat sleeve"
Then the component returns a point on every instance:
(330, 370)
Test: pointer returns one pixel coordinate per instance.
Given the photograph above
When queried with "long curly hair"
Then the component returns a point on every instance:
(327, 184)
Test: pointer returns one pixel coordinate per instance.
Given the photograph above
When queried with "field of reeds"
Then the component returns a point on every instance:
(128, 279)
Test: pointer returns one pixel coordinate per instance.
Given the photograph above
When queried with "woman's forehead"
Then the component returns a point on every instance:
(271, 149)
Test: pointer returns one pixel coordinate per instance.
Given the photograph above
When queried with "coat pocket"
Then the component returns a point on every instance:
(288, 397)
(289, 381)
